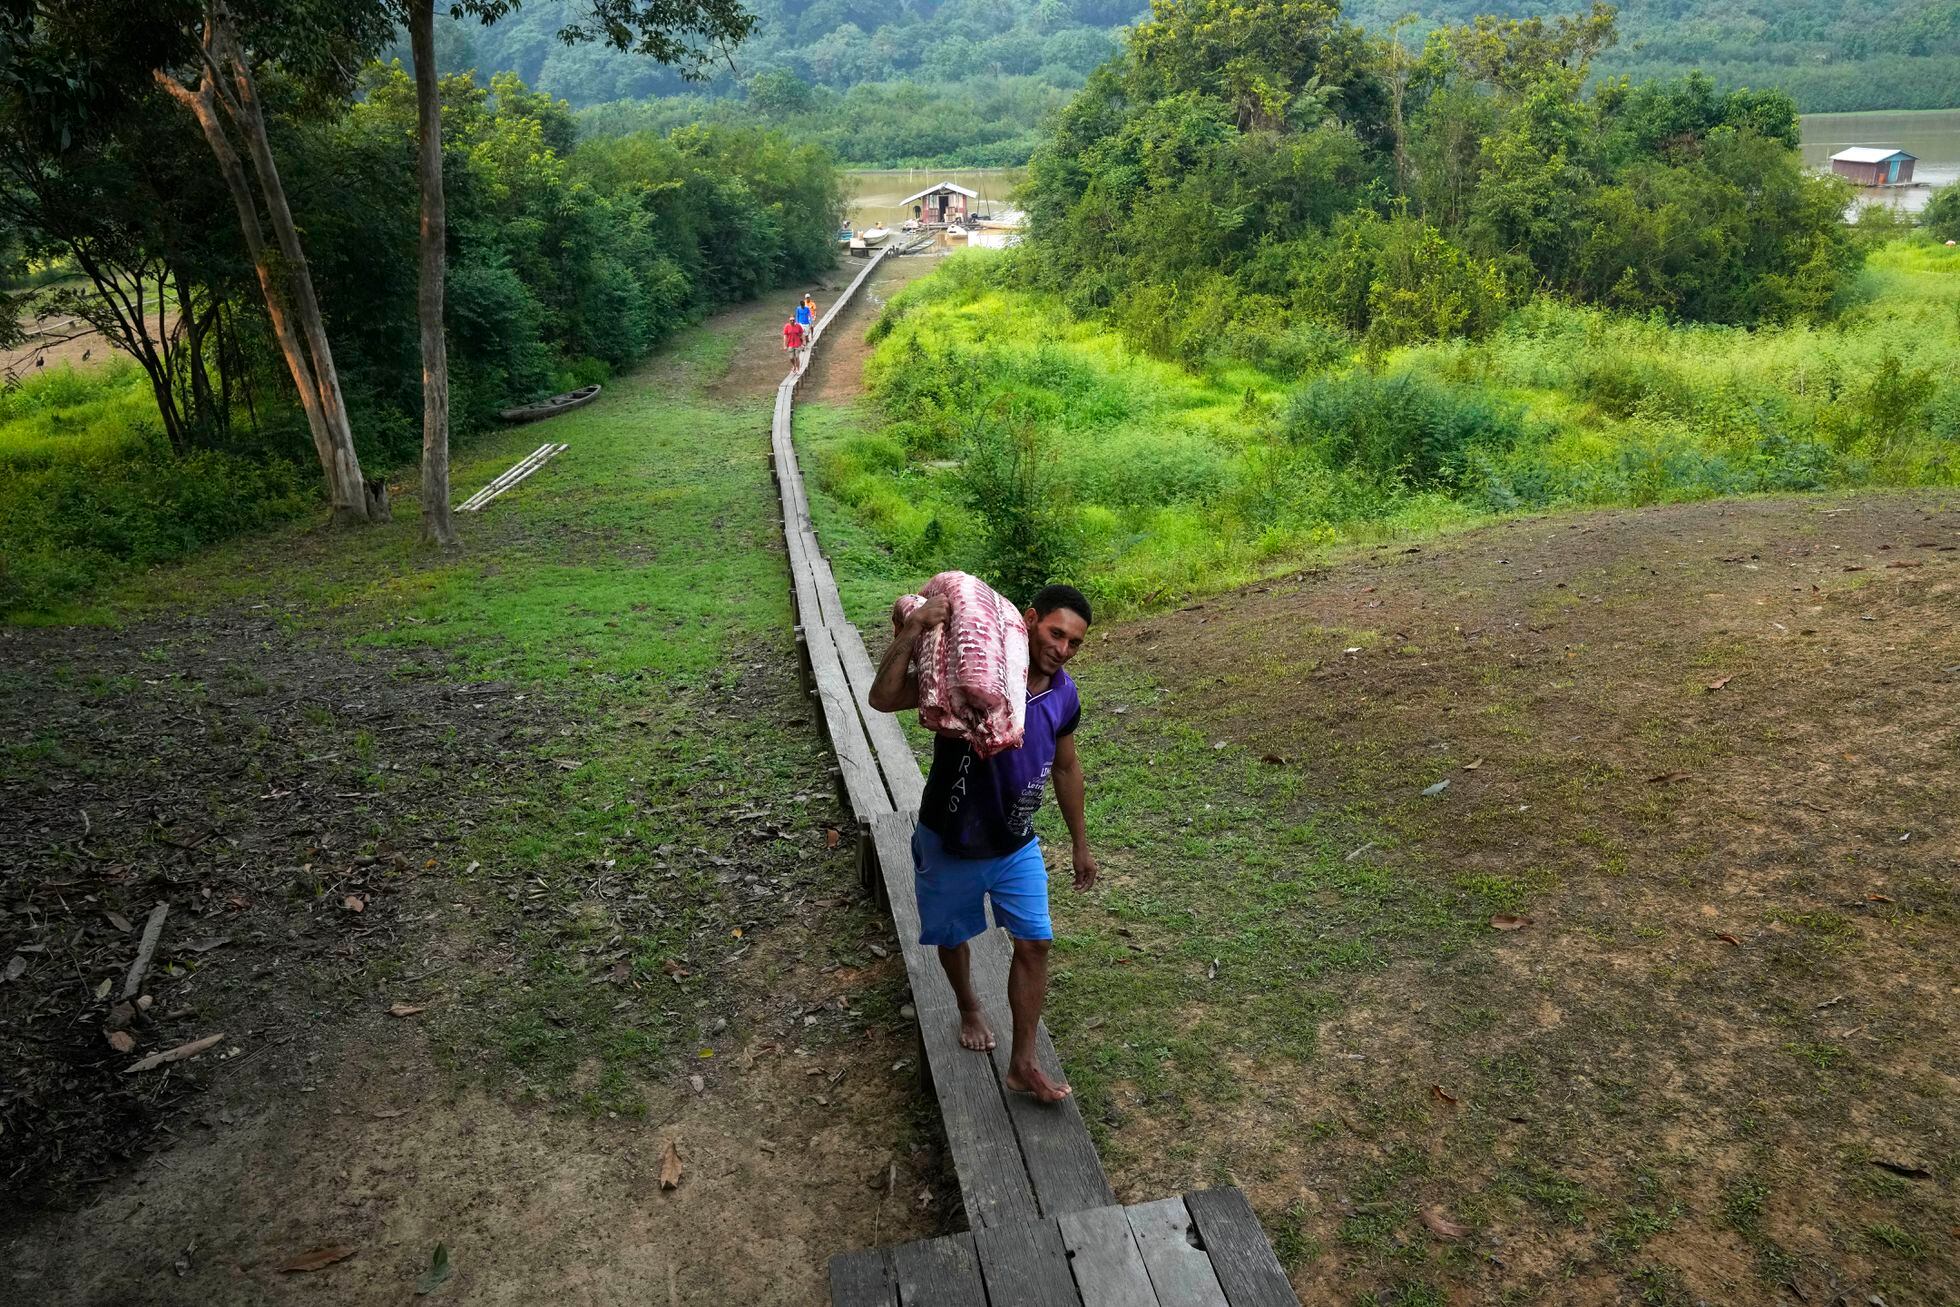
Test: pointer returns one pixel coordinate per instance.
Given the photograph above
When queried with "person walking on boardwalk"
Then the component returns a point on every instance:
(975, 838)
(806, 313)
(794, 339)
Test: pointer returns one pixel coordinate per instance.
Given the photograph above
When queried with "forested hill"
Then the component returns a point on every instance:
(825, 43)
(1829, 54)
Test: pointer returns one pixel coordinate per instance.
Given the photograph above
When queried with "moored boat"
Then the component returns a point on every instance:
(547, 408)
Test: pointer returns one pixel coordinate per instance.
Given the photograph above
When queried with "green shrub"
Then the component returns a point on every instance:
(1941, 216)
(1405, 427)
(1009, 480)
(79, 522)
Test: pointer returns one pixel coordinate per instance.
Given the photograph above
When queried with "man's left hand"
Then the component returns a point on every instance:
(1086, 870)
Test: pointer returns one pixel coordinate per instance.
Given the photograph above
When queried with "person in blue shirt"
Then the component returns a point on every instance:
(975, 839)
(806, 313)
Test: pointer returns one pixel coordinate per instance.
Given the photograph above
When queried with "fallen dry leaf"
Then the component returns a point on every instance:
(831, 837)
(119, 921)
(1727, 938)
(1505, 921)
(1273, 760)
(670, 1167)
(390, 1113)
(16, 966)
(1442, 1095)
(1441, 1225)
(675, 969)
(354, 903)
(319, 1257)
(1668, 778)
(1721, 681)
(203, 945)
(1472, 766)
(177, 1054)
(1878, 898)
(407, 1009)
(122, 1041)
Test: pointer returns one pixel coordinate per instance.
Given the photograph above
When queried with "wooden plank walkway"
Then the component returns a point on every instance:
(1202, 1250)
(1042, 1212)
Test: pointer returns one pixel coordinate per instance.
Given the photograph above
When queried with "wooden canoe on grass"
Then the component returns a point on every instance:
(551, 408)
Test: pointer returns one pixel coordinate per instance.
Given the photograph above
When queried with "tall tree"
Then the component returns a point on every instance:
(311, 41)
(686, 33)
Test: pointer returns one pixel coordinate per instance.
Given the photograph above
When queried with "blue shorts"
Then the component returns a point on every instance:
(951, 891)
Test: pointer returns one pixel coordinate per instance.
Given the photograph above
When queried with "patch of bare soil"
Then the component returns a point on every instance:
(57, 339)
(1709, 754)
(217, 764)
(758, 364)
(837, 370)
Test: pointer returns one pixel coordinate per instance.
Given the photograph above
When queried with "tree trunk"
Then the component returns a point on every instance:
(202, 105)
(244, 105)
(437, 528)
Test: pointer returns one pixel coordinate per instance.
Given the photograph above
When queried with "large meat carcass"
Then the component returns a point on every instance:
(973, 670)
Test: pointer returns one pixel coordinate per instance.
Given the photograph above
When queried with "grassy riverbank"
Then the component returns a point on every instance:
(1009, 438)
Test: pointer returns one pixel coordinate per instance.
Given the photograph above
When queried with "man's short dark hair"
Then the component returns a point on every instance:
(1063, 596)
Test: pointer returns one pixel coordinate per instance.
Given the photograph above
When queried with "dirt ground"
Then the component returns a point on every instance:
(238, 764)
(837, 372)
(60, 339)
(1702, 760)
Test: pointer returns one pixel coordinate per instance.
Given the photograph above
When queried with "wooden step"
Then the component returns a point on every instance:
(1205, 1249)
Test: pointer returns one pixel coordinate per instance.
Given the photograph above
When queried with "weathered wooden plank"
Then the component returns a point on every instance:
(1062, 1164)
(1025, 1266)
(986, 1151)
(896, 761)
(891, 835)
(1241, 1256)
(986, 1154)
(863, 785)
(1179, 1270)
(1109, 1270)
(939, 1273)
(823, 323)
(863, 1279)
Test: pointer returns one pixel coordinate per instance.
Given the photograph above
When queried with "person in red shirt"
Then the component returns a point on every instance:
(793, 341)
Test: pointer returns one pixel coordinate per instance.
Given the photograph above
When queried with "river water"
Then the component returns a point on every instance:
(1932, 134)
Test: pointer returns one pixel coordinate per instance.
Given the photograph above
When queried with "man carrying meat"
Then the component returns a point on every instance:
(975, 838)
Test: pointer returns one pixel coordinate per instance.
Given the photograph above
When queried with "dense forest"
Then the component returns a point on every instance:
(970, 81)
(565, 261)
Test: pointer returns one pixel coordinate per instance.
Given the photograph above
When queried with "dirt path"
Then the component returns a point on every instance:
(262, 768)
(837, 373)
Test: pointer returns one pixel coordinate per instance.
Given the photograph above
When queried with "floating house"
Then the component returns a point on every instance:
(1874, 165)
(939, 204)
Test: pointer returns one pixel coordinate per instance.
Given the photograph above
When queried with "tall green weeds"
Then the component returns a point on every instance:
(1150, 480)
(89, 487)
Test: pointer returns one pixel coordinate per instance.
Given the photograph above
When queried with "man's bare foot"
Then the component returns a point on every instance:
(975, 1033)
(1036, 1084)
